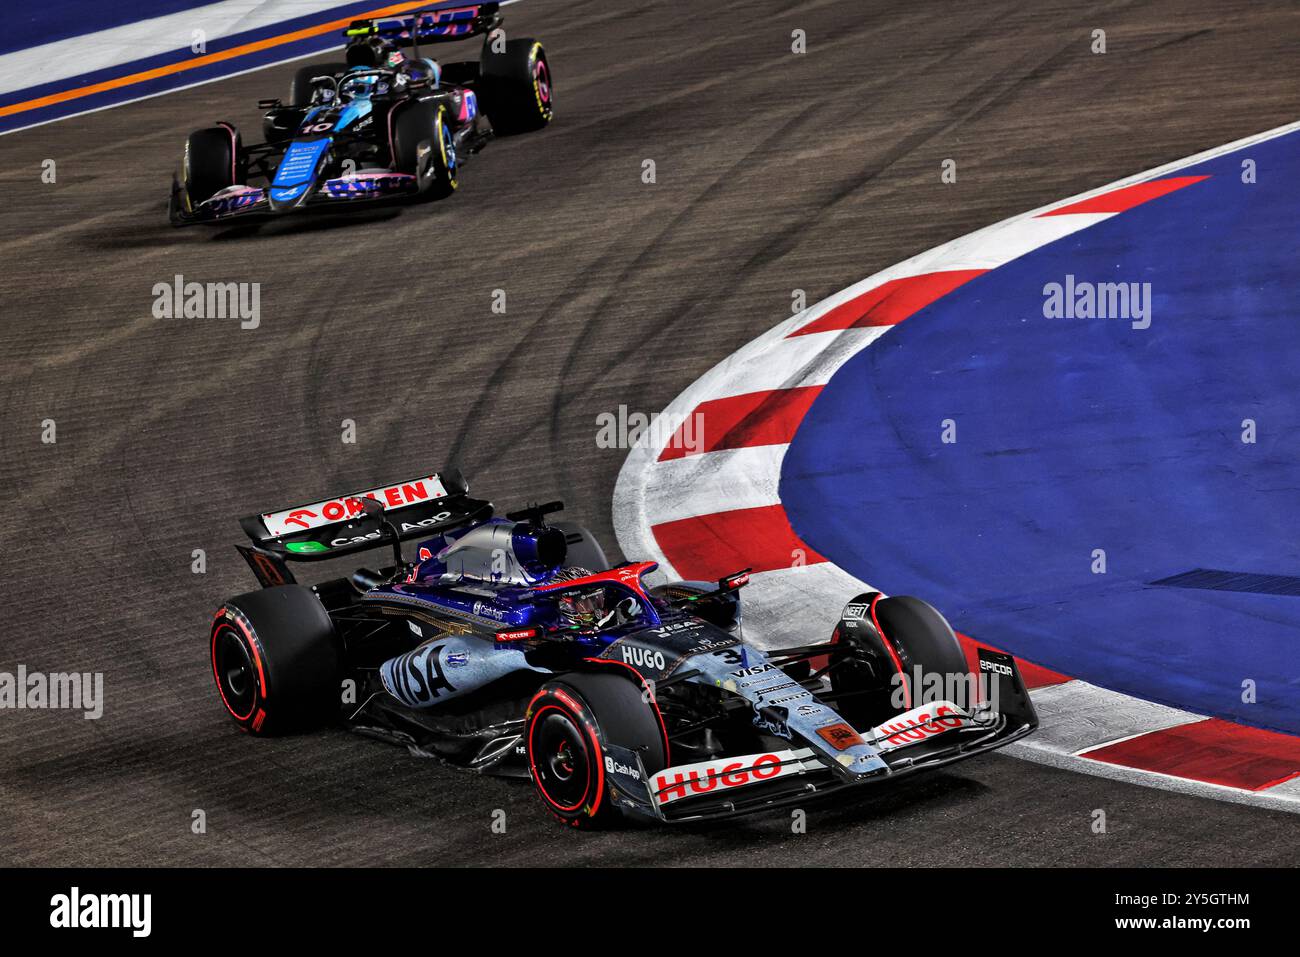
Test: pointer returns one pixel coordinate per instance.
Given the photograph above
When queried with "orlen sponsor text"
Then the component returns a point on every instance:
(349, 507)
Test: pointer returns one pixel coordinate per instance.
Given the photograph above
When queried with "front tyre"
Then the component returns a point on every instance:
(893, 650)
(424, 148)
(213, 161)
(569, 724)
(926, 646)
(516, 86)
(275, 661)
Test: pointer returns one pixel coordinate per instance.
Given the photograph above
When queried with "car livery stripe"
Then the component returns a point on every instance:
(679, 507)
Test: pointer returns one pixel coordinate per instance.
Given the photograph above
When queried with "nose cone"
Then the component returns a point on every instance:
(288, 198)
(295, 177)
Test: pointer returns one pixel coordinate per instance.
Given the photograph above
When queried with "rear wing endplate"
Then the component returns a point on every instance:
(419, 507)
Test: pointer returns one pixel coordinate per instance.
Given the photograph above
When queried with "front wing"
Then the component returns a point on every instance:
(929, 736)
(240, 202)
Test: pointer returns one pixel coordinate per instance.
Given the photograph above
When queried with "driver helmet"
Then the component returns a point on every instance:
(587, 611)
(423, 70)
(350, 88)
(582, 610)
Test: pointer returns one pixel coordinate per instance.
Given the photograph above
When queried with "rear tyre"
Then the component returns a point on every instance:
(570, 722)
(925, 643)
(516, 86)
(423, 147)
(300, 88)
(275, 661)
(886, 638)
(213, 161)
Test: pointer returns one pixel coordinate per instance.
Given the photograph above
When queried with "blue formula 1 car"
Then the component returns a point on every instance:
(383, 124)
(511, 646)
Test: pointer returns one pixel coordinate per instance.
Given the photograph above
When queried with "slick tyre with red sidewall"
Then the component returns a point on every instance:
(924, 642)
(275, 660)
(888, 641)
(569, 723)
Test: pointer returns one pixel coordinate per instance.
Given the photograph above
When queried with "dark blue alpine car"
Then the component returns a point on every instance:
(384, 123)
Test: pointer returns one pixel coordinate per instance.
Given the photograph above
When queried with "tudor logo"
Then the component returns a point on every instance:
(644, 657)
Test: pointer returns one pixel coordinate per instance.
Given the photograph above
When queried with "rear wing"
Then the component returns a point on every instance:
(437, 23)
(419, 507)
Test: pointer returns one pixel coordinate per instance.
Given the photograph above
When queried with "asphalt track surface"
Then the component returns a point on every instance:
(774, 171)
